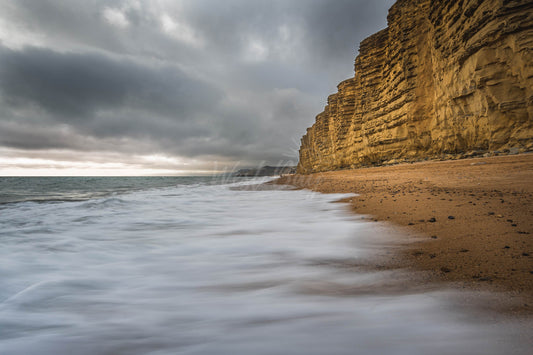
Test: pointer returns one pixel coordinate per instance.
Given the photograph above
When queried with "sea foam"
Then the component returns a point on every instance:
(205, 269)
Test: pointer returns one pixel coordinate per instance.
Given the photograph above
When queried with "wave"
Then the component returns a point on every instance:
(228, 271)
(44, 200)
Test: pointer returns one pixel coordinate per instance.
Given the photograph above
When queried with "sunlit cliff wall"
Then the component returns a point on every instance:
(445, 77)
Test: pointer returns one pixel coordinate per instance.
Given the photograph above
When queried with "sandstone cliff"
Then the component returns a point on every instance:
(445, 77)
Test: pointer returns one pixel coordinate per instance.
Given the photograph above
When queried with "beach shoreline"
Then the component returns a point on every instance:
(470, 220)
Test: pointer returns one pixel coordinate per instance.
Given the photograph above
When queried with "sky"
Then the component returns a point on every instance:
(139, 87)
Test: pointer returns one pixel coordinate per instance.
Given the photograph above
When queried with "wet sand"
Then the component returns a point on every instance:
(470, 221)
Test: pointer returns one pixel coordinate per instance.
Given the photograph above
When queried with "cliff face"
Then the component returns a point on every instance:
(445, 77)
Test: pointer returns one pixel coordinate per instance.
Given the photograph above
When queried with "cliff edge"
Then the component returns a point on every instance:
(445, 78)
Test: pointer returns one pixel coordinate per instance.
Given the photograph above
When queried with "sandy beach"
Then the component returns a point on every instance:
(471, 220)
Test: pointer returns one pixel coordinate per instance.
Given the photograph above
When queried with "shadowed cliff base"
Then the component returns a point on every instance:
(470, 220)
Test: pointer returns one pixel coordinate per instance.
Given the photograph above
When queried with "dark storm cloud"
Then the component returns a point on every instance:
(99, 96)
(32, 137)
(329, 27)
(237, 79)
(75, 85)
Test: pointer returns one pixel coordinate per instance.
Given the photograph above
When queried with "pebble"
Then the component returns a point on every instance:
(432, 220)
(451, 217)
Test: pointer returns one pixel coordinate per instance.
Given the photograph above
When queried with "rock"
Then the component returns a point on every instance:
(445, 269)
(451, 217)
(432, 220)
(445, 79)
(433, 237)
(514, 150)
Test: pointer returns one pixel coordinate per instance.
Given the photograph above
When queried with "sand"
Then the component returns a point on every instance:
(471, 220)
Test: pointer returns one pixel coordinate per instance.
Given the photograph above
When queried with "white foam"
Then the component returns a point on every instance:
(207, 270)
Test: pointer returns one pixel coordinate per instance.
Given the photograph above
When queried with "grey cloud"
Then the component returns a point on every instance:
(32, 137)
(71, 80)
(75, 85)
(325, 33)
(330, 30)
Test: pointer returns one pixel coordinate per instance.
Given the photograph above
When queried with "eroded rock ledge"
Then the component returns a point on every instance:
(444, 78)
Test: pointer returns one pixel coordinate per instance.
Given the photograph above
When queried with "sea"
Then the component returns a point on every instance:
(215, 265)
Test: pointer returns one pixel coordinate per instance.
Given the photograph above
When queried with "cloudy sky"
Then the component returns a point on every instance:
(134, 87)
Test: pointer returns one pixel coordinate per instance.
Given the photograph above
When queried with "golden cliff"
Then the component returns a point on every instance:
(445, 78)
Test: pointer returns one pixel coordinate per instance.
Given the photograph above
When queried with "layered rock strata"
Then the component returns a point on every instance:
(445, 78)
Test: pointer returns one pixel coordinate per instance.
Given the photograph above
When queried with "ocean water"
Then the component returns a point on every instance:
(195, 266)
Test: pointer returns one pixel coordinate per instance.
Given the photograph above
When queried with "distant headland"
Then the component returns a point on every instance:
(266, 171)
